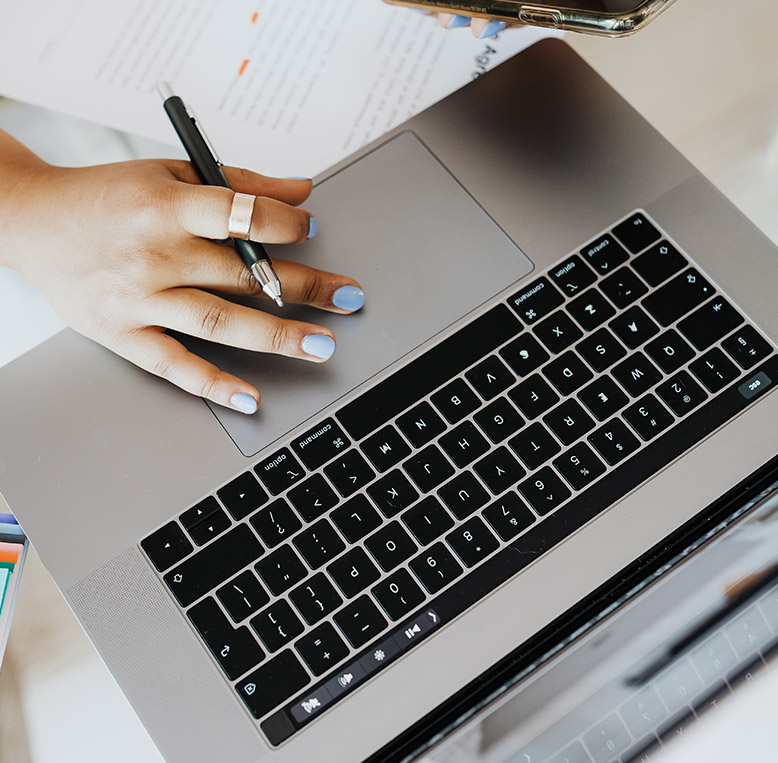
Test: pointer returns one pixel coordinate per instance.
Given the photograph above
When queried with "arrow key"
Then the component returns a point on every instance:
(166, 546)
(213, 525)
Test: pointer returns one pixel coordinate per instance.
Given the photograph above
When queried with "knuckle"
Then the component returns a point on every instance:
(247, 282)
(162, 367)
(277, 338)
(312, 287)
(213, 321)
(209, 387)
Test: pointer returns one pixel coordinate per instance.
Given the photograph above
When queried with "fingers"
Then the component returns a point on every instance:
(482, 28)
(162, 355)
(291, 190)
(206, 316)
(205, 211)
(218, 268)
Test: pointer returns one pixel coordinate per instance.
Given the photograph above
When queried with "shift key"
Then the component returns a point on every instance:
(217, 562)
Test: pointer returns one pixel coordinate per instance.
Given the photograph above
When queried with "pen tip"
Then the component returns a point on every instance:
(279, 301)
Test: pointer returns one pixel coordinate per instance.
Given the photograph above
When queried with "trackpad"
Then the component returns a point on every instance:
(425, 253)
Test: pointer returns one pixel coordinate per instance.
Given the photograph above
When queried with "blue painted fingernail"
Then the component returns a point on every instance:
(318, 345)
(458, 21)
(296, 178)
(419, 10)
(491, 29)
(244, 403)
(313, 226)
(349, 298)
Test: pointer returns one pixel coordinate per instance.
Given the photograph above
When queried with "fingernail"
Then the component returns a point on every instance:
(313, 226)
(458, 21)
(318, 345)
(295, 178)
(349, 298)
(244, 403)
(419, 10)
(491, 29)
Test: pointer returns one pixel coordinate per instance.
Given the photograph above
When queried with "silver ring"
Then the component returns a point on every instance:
(240, 215)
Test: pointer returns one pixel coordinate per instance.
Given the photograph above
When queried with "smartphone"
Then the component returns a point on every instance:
(611, 18)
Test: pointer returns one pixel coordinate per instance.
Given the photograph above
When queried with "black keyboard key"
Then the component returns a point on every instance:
(604, 254)
(524, 354)
(428, 468)
(636, 233)
(659, 263)
(572, 275)
(280, 471)
(322, 649)
(614, 442)
(499, 470)
(281, 570)
(473, 541)
(273, 683)
(678, 296)
(636, 374)
(715, 370)
(437, 366)
(353, 572)
(242, 496)
(315, 598)
(544, 490)
(499, 420)
(243, 596)
(648, 417)
(490, 377)
(213, 525)
(579, 466)
(421, 424)
(356, 518)
(681, 393)
(747, 347)
(390, 546)
(558, 332)
(534, 446)
(436, 567)
(386, 448)
(623, 287)
(634, 327)
(508, 516)
(277, 625)
(591, 309)
(427, 520)
(200, 512)
(360, 621)
(533, 396)
(463, 495)
(235, 649)
(456, 400)
(398, 594)
(276, 523)
(319, 544)
(393, 493)
(464, 444)
(213, 565)
(349, 473)
(567, 373)
(670, 351)
(601, 350)
(536, 300)
(603, 397)
(569, 421)
(707, 324)
(166, 546)
(320, 444)
(312, 497)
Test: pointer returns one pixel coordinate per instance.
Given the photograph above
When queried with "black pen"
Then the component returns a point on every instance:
(208, 167)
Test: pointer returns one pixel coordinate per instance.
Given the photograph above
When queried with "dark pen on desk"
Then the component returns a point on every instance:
(209, 169)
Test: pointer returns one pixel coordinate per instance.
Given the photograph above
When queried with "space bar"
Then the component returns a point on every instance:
(429, 371)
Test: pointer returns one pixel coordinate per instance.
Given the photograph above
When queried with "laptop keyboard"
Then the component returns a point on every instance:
(331, 558)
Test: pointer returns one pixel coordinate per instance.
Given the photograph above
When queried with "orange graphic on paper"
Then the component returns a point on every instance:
(254, 18)
(243, 67)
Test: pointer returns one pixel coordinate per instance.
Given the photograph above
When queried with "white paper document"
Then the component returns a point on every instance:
(287, 87)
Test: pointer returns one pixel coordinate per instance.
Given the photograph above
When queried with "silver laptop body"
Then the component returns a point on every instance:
(449, 216)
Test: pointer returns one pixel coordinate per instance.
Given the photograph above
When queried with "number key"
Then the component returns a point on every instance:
(509, 516)
(472, 541)
(398, 594)
(436, 567)
(614, 442)
(579, 466)
(544, 490)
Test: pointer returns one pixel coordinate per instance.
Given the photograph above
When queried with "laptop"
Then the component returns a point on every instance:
(566, 359)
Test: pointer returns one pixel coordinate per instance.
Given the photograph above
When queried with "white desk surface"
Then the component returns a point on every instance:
(706, 80)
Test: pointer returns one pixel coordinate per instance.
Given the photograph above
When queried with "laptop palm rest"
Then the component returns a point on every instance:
(425, 253)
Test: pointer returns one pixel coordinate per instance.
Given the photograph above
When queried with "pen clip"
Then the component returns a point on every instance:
(204, 135)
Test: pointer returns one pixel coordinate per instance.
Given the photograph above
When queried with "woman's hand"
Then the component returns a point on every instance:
(126, 251)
